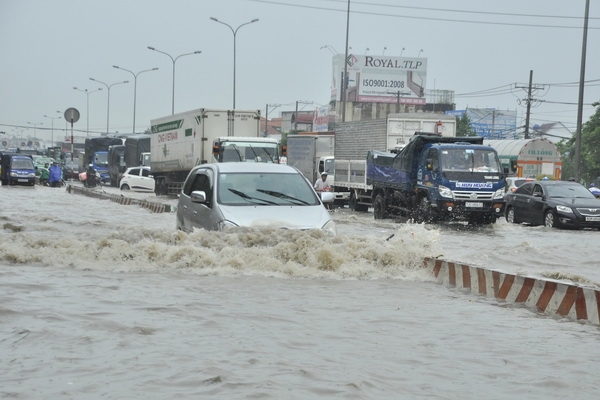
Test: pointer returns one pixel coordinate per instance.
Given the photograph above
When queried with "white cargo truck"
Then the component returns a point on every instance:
(353, 140)
(313, 154)
(181, 141)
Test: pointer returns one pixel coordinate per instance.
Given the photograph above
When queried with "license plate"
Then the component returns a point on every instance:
(592, 219)
(472, 204)
(22, 180)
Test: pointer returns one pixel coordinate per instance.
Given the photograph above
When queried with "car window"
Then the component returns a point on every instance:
(145, 172)
(525, 189)
(201, 181)
(134, 171)
(537, 190)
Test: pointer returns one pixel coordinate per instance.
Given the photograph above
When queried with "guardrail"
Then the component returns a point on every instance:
(153, 206)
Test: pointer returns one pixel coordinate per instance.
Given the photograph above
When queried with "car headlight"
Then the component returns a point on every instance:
(499, 194)
(330, 228)
(13, 173)
(225, 225)
(564, 209)
(445, 192)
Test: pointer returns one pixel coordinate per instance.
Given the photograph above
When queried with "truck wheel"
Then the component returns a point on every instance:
(353, 203)
(379, 210)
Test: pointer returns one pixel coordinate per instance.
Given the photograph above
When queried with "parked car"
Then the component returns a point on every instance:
(557, 204)
(137, 178)
(227, 195)
(513, 183)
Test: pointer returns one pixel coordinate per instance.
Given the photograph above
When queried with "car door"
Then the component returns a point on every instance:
(199, 215)
(537, 205)
(521, 199)
(146, 180)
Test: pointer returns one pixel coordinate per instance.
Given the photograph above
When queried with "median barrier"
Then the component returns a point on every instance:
(547, 296)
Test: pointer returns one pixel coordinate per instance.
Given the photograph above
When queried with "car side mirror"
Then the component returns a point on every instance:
(198, 196)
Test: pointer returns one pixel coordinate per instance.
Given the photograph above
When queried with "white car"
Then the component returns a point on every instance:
(513, 183)
(137, 178)
(222, 196)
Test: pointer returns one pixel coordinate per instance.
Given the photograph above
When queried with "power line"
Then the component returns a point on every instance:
(422, 18)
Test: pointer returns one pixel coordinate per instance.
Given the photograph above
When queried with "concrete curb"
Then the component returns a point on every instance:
(155, 207)
(547, 296)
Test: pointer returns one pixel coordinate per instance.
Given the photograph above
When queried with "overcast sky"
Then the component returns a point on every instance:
(481, 50)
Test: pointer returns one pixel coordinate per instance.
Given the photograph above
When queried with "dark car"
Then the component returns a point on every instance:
(557, 204)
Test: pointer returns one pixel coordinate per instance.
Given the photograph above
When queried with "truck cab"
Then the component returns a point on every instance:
(462, 179)
(17, 169)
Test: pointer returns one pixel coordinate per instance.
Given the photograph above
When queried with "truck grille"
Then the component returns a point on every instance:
(467, 195)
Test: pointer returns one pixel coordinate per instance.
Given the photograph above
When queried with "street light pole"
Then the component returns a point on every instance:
(108, 96)
(52, 129)
(135, 75)
(174, 60)
(234, 31)
(87, 105)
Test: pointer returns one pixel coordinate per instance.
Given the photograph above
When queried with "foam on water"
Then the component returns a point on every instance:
(266, 252)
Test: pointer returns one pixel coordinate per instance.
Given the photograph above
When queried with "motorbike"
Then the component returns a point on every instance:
(90, 180)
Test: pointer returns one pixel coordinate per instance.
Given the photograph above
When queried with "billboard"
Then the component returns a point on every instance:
(380, 79)
(493, 124)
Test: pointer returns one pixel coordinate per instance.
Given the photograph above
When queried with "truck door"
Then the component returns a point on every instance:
(430, 166)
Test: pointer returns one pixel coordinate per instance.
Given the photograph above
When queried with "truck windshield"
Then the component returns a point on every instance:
(472, 160)
(101, 159)
(249, 152)
(22, 163)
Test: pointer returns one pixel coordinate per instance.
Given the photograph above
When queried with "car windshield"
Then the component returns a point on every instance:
(569, 192)
(279, 189)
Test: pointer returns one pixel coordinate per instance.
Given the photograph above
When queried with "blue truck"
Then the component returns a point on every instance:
(16, 169)
(435, 178)
(96, 153)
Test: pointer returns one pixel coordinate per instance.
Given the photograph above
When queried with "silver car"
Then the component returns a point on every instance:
(228, 195)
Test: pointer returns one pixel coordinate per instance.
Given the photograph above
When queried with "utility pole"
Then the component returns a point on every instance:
(580, 101)
(267, 117)
(296, 113)
(530, 88)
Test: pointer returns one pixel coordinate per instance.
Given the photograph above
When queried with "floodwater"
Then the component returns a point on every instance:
(101, 300)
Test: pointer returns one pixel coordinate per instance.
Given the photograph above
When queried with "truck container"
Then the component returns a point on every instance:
(435, 178)
(116, 163)
(312, 154)
(137, 150)
(529, 158)
(96, 153)
(181, 141)
(353, 140)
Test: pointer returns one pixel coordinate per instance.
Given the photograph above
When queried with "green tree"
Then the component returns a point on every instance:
(463, 126)
(590, 150)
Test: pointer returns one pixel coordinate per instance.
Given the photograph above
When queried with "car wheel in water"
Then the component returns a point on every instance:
(125, 187)
(550, 219)
(510, 216)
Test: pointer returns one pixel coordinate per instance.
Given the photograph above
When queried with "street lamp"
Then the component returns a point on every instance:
(173, 60)
(52, 118)
(88, 105)
(330, 48)
(234, 31)
(135, 75)
(108, 96)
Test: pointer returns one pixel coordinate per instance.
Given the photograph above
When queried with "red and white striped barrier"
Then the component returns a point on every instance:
(153, 206)
(548, 296)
